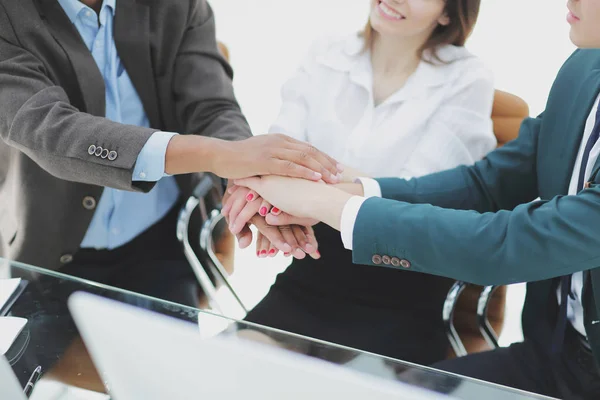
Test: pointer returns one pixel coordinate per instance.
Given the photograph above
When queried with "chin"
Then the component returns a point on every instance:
(584, 41)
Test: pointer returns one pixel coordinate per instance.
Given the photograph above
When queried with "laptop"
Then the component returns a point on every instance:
(9, 385)
(144, 355)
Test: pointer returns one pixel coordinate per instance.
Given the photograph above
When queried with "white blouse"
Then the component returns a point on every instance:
(440, 119)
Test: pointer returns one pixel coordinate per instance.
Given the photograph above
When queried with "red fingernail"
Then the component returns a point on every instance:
(263, 252)
(263, 211)
(287, 254)
(318, 253)
(275, 210)
(250, 197)
(272, 251)
(258, 254)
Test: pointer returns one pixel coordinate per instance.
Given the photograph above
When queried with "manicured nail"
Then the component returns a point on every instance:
(258, 254)
(340, 167)
(287, 254)
(286, 248)
(317, 175)
(275, 210)
(271, 252)
(263, 253)
(263, 211)
(318, 253)
(309, 248)
(250, 197)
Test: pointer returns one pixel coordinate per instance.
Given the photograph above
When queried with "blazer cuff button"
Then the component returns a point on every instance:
(98, 152)
(105, 153)
(405, 264)
(376, 259)
(112, 156)
(91, 150)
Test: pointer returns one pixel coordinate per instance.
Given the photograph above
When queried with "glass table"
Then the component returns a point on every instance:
(50, 340)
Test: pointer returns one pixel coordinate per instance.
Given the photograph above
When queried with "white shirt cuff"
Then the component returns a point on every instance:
(370, 186)
(150, 164)
(349, 214)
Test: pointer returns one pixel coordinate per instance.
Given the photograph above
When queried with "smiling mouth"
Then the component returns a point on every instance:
(389, 12)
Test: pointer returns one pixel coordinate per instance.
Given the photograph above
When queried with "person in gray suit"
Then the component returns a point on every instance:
(109, 109)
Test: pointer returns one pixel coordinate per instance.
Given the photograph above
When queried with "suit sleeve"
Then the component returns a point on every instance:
(471, 223)
(504, 179)
(37, 118)
(205, 103)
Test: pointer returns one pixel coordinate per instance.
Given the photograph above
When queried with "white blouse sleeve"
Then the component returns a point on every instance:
(466, 114)
(294, 111)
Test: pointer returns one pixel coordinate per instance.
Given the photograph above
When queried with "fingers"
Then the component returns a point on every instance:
(287, 219)
(272, 233)
(312, 240)
(227, 200)
(244, 237)
(238, 202)
(308, 245)
(329, 167)
(261, 245)
(237, 222)
(290, 238)
(293, 169)
(264, 208)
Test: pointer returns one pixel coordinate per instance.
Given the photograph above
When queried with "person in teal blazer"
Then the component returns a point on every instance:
(528, 212)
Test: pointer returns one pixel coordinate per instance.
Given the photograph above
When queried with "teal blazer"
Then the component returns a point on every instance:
(482, 223)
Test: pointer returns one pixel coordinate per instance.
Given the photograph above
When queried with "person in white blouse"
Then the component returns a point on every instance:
(404, 98)
(528, 212)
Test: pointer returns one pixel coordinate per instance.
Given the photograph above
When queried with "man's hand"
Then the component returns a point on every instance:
(274, 155)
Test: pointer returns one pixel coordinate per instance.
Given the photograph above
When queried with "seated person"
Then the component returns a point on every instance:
(483, 224)
(404, 98)
(102, 138)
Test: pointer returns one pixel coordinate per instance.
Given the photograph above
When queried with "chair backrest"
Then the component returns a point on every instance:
(508, 113)
(224, 50)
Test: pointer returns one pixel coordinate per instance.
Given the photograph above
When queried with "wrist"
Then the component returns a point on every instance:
(192, 153)
(330, 206)
(356, 189)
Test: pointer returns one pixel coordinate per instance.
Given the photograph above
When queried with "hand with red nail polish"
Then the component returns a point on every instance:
(300, 198)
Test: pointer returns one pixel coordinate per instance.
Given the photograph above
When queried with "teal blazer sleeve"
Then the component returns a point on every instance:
(482, 235)
(505, 178)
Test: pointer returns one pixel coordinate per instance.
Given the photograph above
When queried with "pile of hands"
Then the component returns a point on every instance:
(281, 203)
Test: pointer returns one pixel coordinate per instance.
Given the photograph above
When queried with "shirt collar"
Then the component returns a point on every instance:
(74, 7)
(351, 57)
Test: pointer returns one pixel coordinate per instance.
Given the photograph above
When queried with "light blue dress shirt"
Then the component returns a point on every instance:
(120, 216)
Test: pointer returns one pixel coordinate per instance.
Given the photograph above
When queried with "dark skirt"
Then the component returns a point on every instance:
(377, 309)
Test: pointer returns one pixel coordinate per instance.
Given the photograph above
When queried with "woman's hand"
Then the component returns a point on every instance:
(301, 198)
(302, 235)
(244, 207)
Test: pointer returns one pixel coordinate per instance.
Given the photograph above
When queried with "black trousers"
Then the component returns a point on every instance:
(570, 375)
(152, 264)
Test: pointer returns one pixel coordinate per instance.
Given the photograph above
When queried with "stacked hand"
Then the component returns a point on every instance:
(292, 176)
(244, 207)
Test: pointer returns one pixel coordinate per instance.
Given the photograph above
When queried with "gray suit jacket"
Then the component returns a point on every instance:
(52, 108)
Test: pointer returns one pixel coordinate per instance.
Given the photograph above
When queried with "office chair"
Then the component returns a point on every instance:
(474, 313)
